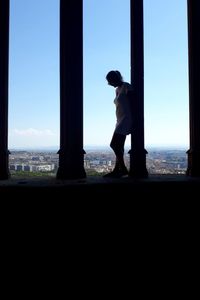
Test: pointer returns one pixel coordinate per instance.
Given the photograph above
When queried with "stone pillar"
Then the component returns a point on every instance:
(4, 58)
(194, 87)
(71, 153)
(137, 152)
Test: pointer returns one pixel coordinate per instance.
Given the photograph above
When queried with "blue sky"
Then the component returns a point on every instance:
(34, 71)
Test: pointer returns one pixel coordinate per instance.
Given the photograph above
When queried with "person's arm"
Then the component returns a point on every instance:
(131, 97)
(130, 91)
(130, 94)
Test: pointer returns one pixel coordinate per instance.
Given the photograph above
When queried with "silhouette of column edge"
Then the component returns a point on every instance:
(4, 67)
(194, 87)
(71, 153)
(137, 152)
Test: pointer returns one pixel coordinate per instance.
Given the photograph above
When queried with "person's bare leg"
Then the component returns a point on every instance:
(117, 144)
(117, 165)
(121, 164)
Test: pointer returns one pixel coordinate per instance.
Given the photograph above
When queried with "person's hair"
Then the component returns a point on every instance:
(114, 75)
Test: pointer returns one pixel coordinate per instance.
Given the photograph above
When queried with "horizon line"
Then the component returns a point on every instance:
(56, 148)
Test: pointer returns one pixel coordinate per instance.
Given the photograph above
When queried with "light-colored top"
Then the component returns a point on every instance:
(123, 109)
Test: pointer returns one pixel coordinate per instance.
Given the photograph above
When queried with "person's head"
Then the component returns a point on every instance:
(114, 78)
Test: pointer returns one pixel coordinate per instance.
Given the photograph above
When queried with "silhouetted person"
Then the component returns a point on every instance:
(124, 121)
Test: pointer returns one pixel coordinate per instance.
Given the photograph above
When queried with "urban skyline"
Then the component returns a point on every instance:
(96, 162)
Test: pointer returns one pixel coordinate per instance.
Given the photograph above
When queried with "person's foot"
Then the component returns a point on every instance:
(110, 175)
(116, 174)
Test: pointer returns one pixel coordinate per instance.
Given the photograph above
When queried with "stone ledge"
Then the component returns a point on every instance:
(164, 184)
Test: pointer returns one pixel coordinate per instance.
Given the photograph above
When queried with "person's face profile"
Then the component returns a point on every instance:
(112, 83)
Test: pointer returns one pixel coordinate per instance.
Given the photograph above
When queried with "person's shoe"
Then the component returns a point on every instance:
(121, 173)
(116, 174)
(111, 174)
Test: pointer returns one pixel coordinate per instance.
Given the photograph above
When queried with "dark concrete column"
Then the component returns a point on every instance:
(194, 87)
(71, 153)
(137, 152)
(4, 58)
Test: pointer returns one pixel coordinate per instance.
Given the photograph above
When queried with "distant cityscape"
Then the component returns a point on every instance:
(96, 162)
